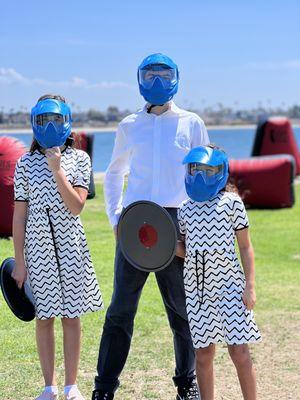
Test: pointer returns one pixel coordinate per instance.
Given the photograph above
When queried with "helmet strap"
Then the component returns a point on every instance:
(151, 106)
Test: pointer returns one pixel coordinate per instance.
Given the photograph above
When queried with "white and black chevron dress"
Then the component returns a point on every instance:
(213, 278)
(59, 265)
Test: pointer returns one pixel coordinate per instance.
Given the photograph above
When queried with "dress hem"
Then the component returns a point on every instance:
(251, 341)
(59, 315)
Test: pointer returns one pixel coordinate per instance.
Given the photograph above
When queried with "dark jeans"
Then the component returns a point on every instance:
(119, 320)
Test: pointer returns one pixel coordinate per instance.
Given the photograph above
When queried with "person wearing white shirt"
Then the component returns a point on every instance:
(149, 147)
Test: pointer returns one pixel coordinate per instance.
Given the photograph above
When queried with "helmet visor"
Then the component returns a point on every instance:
(210, 174)
(167, 76)
(43, 119)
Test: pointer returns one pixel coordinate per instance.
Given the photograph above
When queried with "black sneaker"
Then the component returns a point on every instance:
(188, 392)
(100, 395)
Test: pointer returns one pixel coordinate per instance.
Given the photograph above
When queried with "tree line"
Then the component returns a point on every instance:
(215, 115)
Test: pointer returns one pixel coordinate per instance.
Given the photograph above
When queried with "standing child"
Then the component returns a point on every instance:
(219, 296)
(51, 186)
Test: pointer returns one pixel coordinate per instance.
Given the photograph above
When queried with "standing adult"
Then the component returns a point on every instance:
(150, 146)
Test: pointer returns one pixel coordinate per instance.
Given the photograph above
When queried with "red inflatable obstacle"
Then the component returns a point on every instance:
(84, 141)
(276, 136)
(265, 182)
(11, 150)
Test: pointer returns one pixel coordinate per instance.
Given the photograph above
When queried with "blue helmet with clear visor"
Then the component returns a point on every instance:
(51, 122)
(158, 79)
(207, 172)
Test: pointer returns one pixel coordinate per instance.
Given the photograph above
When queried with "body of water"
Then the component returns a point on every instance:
(236, 142)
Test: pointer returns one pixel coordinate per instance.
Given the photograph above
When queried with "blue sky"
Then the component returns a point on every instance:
(234, 52)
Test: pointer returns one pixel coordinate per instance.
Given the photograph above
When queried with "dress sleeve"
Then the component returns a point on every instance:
(181, 222)
(21, 190)
(83, 173)
(239, 214)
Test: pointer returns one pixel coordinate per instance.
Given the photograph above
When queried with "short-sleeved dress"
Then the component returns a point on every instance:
(60, 270)
(213, 278)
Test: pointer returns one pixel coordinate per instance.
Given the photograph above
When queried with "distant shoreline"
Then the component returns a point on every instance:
(113, 128)
(76, 129)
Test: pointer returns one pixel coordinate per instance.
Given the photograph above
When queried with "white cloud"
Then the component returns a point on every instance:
(76, 81)
(274, 66)
(9, 76)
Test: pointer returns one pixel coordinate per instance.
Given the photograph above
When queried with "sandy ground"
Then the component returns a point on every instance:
(276, 361)
(99, 177)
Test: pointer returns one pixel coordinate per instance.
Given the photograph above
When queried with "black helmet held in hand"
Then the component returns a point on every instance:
(20, 301)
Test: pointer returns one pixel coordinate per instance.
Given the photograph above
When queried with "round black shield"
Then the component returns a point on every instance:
(147, 236)
(20, 301)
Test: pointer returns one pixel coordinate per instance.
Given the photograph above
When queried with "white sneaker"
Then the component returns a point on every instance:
(74, 394)
(47, 396)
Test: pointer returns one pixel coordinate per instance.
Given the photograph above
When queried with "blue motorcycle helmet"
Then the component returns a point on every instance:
(207, 172)
(51, 122)
(158, 78)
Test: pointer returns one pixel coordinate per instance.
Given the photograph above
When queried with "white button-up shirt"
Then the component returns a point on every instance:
(150, 149)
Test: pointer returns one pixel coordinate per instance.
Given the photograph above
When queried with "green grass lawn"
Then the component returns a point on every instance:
(147, 375)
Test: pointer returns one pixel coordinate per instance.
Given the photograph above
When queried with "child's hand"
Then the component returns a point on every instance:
(53, 157)
(19, 274)
(180, 249)
(249, 298)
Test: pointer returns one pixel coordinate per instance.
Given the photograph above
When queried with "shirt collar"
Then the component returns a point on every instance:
(174, 108)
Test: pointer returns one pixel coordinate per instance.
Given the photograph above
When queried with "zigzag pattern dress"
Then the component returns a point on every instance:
(213, 278)
(58, 262)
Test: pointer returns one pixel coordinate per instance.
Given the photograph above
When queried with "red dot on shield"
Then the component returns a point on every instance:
(148, 235)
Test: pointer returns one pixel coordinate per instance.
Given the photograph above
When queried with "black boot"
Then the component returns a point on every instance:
(189, 391)
(100, 395)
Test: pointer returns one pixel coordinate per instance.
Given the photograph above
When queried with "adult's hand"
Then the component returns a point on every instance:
(115, 229)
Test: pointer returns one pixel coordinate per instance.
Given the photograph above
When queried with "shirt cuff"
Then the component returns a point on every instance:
(114, 219)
